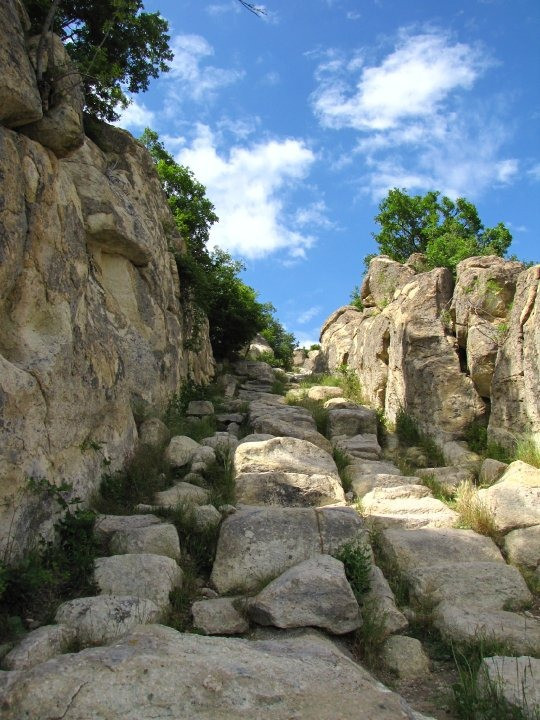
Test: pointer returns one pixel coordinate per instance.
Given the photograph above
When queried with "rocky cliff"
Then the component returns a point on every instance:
(93, 324)
(448, 351)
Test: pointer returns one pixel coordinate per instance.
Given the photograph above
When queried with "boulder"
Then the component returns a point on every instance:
(182, 493)
(457, 454)
(212, 677)
(159, 539)
(221, 442)
(20, 102)
(200, 408)
(104, 618)
(144, 575)
(352, 421)
(408, 506)
(324, 392)
(514, 500)
(218, 616)
(340, 403)
(362, 484)
(180, 451)
(362, 446)
(410, 549)
(38, 646)
(491, 471)
(288, 489)
(404, 656)
(515, 679)
(284, 454)
(515, 388)
(259, 346)
(522, 546)
(313, 593)
(360, 467)
(448, 477)
(383, 278)
(467, 625)
(258, 544)
(380, 600)
(154, 433)
(106, 525)
(205, 517)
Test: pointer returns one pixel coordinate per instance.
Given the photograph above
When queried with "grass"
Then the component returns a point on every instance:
(181, 599)
(473, 512)
(438, 489)
(370, 636)
(345, 378)
(409, 433)
(315, 407)
(195, 428)
(279, 386)
(221, 479)
(342, 462)
(198, 542)
(528, 450)
(396, 580)
(477, 439)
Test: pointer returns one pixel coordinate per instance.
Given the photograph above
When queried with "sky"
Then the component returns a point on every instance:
(299, 122)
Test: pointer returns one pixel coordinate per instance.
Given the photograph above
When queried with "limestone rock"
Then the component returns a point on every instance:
(360, 467)
(470, 624)
(200, 408)
(180, 451)
(324, 392)
(339, 403)
(182, 493)
(362, 484)
(515, 388)
(258, 544)
(38, 646)
(404, 656)
(154, 433)
(410, 549)
(284, 454)
(258, 346)
(362, 446)
(313, 593)
(206, 516)
(221, 442)
(352, 421)
(306, 677)
(104, 618)
(255, 437)
(155, 539)
(143, 575)
(288, 489)
(20, 102)
(516, 679)
(106, 525)
(491, 471)
(457, 453)
(218, 617)
(408, 506)
(514, 500)
(380, 600)
(522, 546)
(449, 477)
(383, 278)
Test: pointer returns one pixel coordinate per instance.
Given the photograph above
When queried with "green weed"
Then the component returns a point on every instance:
(356, 557)
(528, 451)
(370, 636)
(315, 407)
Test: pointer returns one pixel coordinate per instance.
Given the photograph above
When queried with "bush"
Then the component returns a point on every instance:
(407, 428)
(356, 557)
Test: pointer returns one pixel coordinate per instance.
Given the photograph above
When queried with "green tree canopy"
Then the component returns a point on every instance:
(115, 45)
(446, 231)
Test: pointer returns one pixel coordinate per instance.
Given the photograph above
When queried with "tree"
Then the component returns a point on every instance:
(446, 231)
(281, 341)
(115, 46)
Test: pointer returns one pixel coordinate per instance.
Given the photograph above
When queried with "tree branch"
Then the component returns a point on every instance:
(255, 9)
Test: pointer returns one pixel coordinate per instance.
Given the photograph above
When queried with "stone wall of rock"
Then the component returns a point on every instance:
(450, 352)
(92, 321)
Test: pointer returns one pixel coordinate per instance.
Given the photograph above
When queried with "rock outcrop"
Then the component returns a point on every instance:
(92, 319)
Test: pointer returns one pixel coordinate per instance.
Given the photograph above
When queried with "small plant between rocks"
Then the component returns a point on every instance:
(473, 512)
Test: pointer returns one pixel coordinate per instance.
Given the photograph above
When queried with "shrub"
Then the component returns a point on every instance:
(407, 428)
(356, 557)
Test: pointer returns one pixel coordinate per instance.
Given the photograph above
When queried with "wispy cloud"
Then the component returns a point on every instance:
(248, 185)
(217, 9)
(534, 172)
(136, 116)
(415, 128)
(308, 315)
(314, 215)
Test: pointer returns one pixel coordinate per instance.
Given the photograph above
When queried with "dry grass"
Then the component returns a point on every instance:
(473, 512)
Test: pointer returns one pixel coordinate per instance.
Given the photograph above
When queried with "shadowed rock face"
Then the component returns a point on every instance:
(91, 325)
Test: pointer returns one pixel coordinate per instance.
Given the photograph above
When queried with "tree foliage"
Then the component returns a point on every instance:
(446, 231)
(212, 278)
(281, 341)
(114, 44)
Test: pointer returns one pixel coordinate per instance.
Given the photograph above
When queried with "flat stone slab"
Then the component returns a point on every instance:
(257, 544)
(324, 392)
(157, 672)
(103, 618)
(407, 506)
(516, 679)
(159, 539)
(373, 467)
(492, 586)
(143, 575)
(410, 549)
(363, 445)
(362, 484)
(471, 624)
(352, 421)
(182, 493)
(288, 489)
(514, 500)
(523, 546)
(106, 525)
(314, 593)
(284, 454)
(218, 616)
(449, 477)
(38, 646)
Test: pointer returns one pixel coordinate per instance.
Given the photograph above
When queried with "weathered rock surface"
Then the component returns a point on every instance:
(200, 408)
(212, 678)
(313, 593)
(514, 500)
(352, 421)
(286, 420)
(383, 278)
(516, 679)
(38, 646)
(104, 618)
(258, 544)
(288, 489)
(405, 657)
(181, 450)
(159, 539)
(286, 454)
(458, 454)
(218, 616)
(408, 506)
(362, 484)
(143, 575)
(106, 525)
(491, 471)
(380, 600)
(154, 432)
(448, 477)
(523, 546)
(182, 493)
(362, 446)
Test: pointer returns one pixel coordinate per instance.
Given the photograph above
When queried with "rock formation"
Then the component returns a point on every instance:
(92, 318)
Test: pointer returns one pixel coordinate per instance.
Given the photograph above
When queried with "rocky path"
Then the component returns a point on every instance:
(277, 584)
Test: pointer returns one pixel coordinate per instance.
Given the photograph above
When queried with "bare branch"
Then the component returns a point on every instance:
(255, 9)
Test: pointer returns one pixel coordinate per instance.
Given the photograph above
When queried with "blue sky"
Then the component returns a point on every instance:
(299, 123)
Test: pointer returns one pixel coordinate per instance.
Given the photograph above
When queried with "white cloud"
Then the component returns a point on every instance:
(313, 215)
(308, 315)
(248, 186)
(192, 77)
(217, 9)
(136, 116)
(353, 15)
(534, 172)
(417, 127)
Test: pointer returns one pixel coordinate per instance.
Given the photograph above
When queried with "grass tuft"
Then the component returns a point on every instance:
(473, 512)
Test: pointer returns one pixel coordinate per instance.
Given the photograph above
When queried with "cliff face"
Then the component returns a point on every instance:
(92, 320)
(449, 352)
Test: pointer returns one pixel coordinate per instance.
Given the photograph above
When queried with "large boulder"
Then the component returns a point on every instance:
(20, 102)
(257, 544)
(155, 671)
(522, 546)
(38, 646)
(288, 489)
(516, 679)
(218, 616)
(406, 506)
(383, 278)
(352, 421)
(313, 593)
(159, 539)
(514, 500)
(284, 454)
